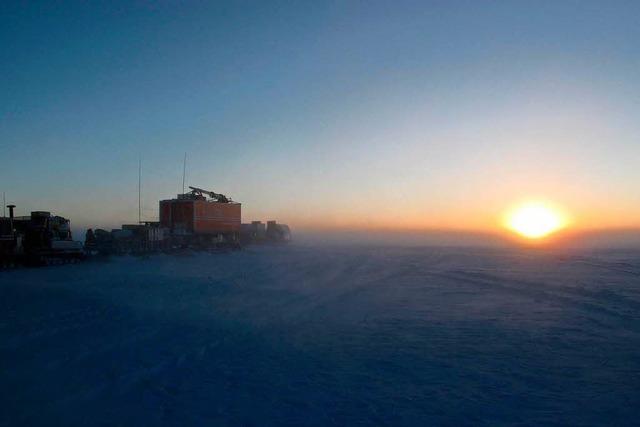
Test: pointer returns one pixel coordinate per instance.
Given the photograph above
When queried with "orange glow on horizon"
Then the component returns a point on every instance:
(535, 220)
(490, 215)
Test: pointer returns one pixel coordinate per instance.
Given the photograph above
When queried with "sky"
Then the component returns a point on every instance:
(366, 115)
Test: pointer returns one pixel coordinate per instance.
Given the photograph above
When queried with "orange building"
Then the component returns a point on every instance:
(186, 216)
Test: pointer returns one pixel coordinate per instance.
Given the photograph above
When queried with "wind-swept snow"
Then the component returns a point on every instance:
(325, 336)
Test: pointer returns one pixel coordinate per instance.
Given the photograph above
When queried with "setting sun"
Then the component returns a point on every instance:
(535, 220)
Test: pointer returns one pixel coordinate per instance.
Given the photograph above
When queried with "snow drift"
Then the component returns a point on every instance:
(325, 336)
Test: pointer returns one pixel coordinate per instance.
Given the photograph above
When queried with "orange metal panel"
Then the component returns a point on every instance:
(165, 213)
(177, 215)
(200, 216)
(214, 217)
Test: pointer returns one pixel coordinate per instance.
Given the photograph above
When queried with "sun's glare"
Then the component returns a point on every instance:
(535, 220)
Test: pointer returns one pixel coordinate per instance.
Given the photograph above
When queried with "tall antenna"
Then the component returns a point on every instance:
(4, 205)
(140, 190)
(184, 170)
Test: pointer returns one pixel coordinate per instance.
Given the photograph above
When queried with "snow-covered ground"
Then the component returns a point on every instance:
(325, 336)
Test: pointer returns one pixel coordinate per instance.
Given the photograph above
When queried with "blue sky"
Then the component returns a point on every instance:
(382, 114)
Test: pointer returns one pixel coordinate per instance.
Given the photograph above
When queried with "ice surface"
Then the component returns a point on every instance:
(325, 336)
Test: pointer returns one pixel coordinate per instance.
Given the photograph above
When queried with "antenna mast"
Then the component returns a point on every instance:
(140, 191)
(184, 170)
(4, 205)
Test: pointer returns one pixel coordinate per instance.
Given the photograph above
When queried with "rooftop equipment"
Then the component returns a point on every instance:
(199, 194)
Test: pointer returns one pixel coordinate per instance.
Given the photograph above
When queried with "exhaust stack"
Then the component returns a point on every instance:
(11, 215)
